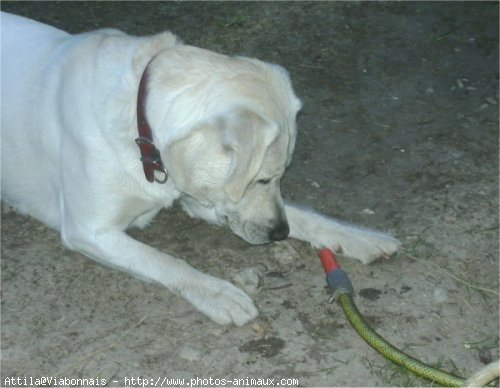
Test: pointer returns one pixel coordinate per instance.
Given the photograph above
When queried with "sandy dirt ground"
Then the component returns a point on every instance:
(399, 132)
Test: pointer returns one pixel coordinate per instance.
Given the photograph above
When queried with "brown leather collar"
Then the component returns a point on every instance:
(150, 155)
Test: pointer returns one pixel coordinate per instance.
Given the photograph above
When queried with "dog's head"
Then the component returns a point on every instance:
(228, 127)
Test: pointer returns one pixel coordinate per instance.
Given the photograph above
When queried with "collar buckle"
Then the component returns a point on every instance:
(150, 155)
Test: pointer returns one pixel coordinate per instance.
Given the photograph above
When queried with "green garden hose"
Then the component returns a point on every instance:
(390, 352)
(340, 284)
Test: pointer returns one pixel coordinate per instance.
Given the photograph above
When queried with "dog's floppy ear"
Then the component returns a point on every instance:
(248, 136)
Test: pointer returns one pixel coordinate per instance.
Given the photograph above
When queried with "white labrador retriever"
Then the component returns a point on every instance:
(215, 132)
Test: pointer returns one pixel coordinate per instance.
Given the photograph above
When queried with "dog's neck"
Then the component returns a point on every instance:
(150, 155)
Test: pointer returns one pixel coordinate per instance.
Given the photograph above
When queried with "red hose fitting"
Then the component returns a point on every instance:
(329, 260)
(336, 278)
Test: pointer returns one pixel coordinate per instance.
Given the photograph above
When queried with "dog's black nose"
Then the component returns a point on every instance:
(280, 232)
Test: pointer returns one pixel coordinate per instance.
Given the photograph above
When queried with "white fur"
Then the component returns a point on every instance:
(69, 158)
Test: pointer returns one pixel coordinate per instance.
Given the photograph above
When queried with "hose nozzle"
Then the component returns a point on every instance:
(336, 278)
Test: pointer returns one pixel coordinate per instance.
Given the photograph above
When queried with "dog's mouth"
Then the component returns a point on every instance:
(251, 232)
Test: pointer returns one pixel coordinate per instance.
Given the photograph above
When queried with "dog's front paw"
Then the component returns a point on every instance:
(356, 242)
(368, 246)
(220, 300)
(352, 241)
(361, 244)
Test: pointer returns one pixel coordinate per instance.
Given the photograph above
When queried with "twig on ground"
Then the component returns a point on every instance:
(101, 350)
(452, 275)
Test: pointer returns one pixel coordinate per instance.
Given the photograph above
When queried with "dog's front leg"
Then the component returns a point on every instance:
(217, 298)
(352, 241)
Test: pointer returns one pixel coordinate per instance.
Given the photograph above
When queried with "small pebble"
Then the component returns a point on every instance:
(248, 279)
(190, 354)
(283, 253)
(440, 295)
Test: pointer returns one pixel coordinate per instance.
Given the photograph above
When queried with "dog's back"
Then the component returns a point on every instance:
(29, 148)
(64, 99)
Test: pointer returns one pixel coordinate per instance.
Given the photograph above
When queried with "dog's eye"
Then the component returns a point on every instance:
(264, 181)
